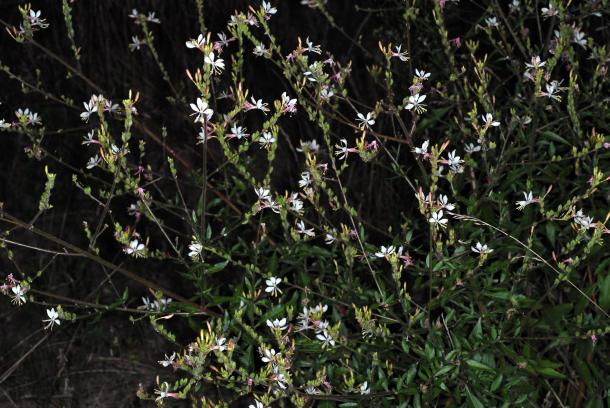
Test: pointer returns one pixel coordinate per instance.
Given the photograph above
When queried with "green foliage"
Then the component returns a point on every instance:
(444, 242)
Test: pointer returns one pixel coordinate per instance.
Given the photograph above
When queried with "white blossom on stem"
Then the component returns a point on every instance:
(481, 249)
(415, 103)
(273, 285)
(365, 121)
(437, 219)
(135, 248)
(201, 110)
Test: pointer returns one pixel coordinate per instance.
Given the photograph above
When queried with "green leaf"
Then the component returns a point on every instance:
(411, 374)
(474, 401)
(443, 370)
(477, 332)
(496, 384)
(551, 230)
(478, 365)
(604, 292)
(211, 269)
(550, 372)
(555, 137)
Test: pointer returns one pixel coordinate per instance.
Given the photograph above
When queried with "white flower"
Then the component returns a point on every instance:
(443, 201)
(277, 324)
(27, 116)
(202, 136)
(320, 326)
(257, 404)
(311, 146)
(514, 5)
(111, 107)
(33, 119)
(398, 53)
(280, 379)
(90, 108)
(157, 305)
(423, 150)
(201, 109)
(222, 39)
(341, 149)
(217, 64)
(18, 294)
(365, 121)
(364, 388)
(326, 339)
(168, 360)
(319, 308)
(162, 303)
(116, 150)
(312, 48)
(273, 205)
(257, 104)
(453, 160)
(585, 222)
(312, 391)
(93, 162)
(267, 9)
(528, 199)
(269, 356)
(482, 249)
(195, 248)
(135, 248)
(579, 38)
(134, 14)
(437, 219)
(36, 21)
(491, 22)
(415, 102)
(238, 132)
(471, 148)
(326, 93)
(385, 252)
(4, 124)
(535, 63)
(305, 179)
(549, 11)
(329, 238)
(146, 304)
(302, 229)
(304, 319)
(488, 120)
(198, 43)
(220, 344)
(422, 75)
(552, 90)
(272, 285)
(162, 392)
(136, 43)
(266, 140)
(133, 210)
(52, 320)
(288, 104)
(152, 19)
(260, 50)
(263, 193)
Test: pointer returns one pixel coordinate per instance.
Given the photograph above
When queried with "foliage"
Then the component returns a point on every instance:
(420, 222)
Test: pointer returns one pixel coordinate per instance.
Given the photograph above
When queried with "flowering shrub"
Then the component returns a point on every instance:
(425, 228)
